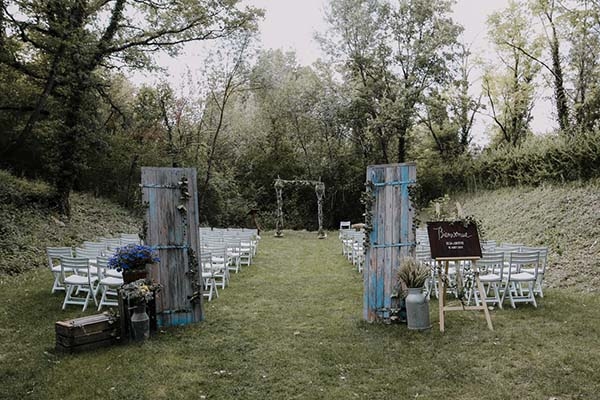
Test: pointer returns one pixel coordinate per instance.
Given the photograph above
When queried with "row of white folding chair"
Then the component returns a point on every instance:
(55, 253)
(96, 270)
(78, 277)
(508, 248)
(79, 274)
(509, 265)
(514, 274)
(353, 247)
(246, 236)
(240, 249)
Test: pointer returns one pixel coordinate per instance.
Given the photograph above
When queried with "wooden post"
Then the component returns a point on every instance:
(391, 235)
(170, 196)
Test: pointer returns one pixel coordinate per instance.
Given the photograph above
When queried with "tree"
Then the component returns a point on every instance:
(449, 114)
(358, 44)
(227, 75)
(510, 92)
(72, 42)
(548, 9)
(584, 45)
(426, 42)
(395, 56)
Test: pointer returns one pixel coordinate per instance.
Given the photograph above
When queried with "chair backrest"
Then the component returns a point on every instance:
(345, 225)
(488, 245)
(81, 252)
(78, 265)
(422, 237)
(508, 244)
(130, 238)
(423, 254)
(101, 266)
(101, 246)
(55, 253)
(206, 261)
(112, 243)
(543, 255)
(492, 261)
(507, 250)
(522, 259)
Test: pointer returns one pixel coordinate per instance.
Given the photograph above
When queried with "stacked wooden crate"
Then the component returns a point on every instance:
(87, 333)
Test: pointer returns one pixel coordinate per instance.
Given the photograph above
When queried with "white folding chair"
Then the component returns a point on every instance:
(77, 277)
(491, 271)
(54, 254)
(209, 282)
(538, 290)
(234, 254)
(92, 254)
(107, 285)
(246, 252)
(516, 278)
(219, 263)
(343, 226)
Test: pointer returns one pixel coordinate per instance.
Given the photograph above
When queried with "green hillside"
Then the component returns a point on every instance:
(566, 218)
(27, 226)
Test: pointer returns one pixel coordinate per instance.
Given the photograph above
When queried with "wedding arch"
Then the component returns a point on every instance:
(319, 191)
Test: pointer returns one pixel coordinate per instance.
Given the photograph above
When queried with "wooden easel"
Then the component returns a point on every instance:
(442, 292)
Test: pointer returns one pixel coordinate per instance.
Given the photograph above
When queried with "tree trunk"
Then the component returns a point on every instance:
(69, 147)
(562, 109)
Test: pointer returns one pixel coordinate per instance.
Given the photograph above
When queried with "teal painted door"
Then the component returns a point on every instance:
(391, 234)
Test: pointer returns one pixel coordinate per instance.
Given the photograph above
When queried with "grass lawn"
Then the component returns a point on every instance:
(290, 326)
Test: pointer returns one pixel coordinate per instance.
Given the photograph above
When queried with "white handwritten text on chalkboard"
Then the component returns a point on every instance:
(442, 234)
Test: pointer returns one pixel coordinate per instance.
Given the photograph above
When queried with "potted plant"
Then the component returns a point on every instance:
(412, 277)
(132, 260)
(137, 294)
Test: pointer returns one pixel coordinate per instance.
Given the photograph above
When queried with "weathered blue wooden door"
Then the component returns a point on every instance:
(172, 228)
(390, 234)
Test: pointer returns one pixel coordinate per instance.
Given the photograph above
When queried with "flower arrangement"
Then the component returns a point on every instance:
(132, 257)
(140, 291)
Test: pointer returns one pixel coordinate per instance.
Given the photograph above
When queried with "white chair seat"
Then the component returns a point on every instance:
(76, 280)
(111, 281)
(489, 278)
(523, 277)
(113, 273)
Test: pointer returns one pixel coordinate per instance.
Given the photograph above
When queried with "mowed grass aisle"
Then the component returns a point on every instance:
(290, 326)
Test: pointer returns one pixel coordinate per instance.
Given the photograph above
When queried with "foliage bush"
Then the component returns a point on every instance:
(21, 192)
(556, 158)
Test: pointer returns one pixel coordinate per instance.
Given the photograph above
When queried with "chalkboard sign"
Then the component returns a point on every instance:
(453, 240)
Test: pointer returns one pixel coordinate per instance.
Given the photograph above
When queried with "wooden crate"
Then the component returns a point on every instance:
(87, 333)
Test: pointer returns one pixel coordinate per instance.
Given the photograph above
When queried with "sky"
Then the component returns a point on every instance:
(292, 24)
